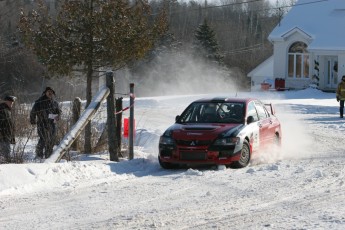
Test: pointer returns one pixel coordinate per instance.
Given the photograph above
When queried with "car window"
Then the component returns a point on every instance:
(232, 112)
(192, 113)
(252, 111)
(214, 112)
(262, 111)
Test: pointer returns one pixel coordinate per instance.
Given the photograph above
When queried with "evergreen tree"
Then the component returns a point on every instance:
(206, 43)
(90, 34)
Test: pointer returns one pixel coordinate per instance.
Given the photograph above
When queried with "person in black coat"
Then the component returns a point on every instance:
(45, 113)
(6, 129)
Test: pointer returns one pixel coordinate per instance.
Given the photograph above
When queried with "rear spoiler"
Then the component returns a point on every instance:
(270, 108)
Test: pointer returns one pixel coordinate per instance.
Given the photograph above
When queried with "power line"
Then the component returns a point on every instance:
(240, 3)
(245, 49)
(231, 4)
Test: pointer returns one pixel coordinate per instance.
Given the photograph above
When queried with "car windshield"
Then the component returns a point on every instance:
(213, 112)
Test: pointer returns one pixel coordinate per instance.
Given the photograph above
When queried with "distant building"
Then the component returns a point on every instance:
(309, 47)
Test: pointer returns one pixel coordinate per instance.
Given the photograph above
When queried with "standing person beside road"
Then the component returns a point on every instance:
(6, 129)
(45, 113)
(340, 94)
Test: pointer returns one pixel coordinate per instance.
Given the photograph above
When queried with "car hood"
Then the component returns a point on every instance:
(203, 131)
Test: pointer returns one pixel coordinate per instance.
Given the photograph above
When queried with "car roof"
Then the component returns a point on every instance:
(225, 99)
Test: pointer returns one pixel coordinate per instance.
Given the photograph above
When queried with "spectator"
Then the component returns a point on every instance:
(45, 113)
(340, 94)
(6, 129)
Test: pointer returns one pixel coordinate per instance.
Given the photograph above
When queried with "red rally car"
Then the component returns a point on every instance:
(219, 131)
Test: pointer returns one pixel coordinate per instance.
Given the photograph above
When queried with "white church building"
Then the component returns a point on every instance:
(309, 47)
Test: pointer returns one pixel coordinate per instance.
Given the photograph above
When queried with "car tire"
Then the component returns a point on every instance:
(166, 165)
(277, 141)
(276, 147)
(245, 157)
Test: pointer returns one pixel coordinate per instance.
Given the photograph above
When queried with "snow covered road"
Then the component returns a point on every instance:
(302, 188)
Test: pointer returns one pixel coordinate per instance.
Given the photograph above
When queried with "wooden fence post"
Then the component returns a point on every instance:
(111, 118)
(131, 121)
(76, 110)
(119, 124)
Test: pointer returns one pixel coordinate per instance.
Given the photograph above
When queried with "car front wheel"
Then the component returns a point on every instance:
(245, 157)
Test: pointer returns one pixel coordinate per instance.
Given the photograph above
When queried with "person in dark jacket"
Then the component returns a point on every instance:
(6, 129)
(45, 113)
(340, 95)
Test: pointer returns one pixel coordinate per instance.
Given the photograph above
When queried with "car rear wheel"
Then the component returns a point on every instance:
(166, 165)
(245, 157)
(277, 142)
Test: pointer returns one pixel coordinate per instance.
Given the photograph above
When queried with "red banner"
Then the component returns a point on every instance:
(126, 127)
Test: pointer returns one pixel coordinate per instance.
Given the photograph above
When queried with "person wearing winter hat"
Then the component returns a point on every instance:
(6, 129)
(45, 113)
(48, 89)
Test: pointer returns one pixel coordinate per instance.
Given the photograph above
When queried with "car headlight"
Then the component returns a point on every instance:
(227, 141)
(166, 140)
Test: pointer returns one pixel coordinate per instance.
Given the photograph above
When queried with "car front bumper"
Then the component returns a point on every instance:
(198, 155)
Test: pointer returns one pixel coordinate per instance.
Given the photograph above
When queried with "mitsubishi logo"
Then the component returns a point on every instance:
(192, 143)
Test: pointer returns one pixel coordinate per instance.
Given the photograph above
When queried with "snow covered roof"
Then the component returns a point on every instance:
(265, 69)
(322, 20)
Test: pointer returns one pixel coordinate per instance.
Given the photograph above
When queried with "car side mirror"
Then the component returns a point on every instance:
(177, 118)
(250, 119)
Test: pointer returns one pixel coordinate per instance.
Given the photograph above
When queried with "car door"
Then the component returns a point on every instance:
(273, 123)
(264, 123)
(253, 127)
